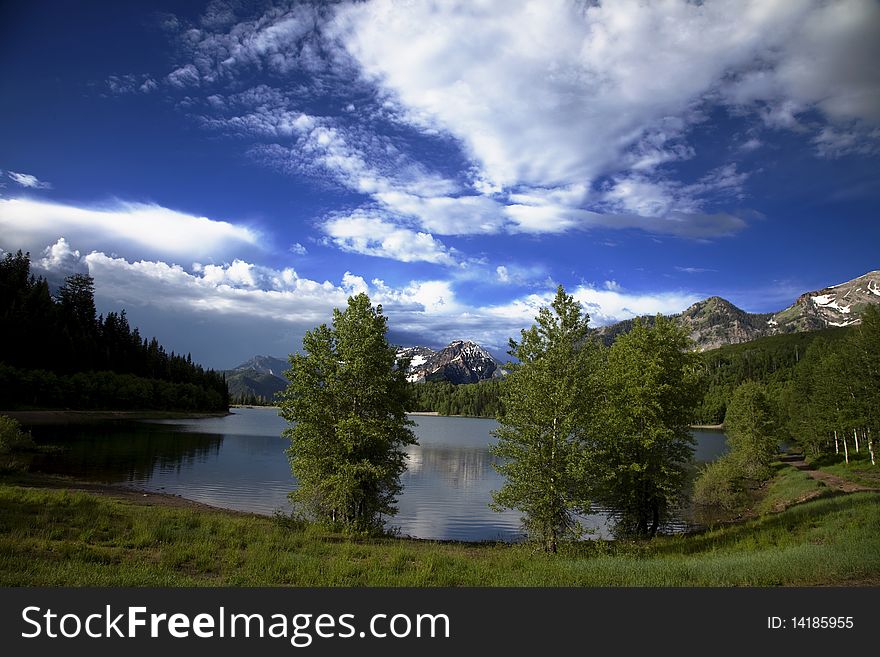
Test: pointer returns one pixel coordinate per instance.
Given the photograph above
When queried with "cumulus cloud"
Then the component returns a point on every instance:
(420, 312)
(612, 304)
(185, 76)
(121, 227)
(130, 83)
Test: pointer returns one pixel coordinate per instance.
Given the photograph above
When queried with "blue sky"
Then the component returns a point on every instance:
(229, 172)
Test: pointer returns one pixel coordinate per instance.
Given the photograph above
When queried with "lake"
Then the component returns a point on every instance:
(238, 462)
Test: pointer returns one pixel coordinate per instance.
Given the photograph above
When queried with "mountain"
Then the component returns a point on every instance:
(838, 305)
(265, 365)
(260, 377)
(714, 322)
(461, 361)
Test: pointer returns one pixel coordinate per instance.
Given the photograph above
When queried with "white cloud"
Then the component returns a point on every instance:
(281, 40)
(185, 76)
(545, 98)
(612, 304)
(832, 142)
(555, 93)
(298, 249)
(447, 215)
(656, 197)
(59, 257)
(148, 85)
(119, 227)
(27, 180)
(370, 235)
(751, 144)
(426, 311)
(130, 83)
(825, 58)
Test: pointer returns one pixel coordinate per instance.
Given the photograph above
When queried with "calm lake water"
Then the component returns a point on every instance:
(238, 462)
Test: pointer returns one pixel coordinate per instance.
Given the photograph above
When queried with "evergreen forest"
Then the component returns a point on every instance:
(56, 352)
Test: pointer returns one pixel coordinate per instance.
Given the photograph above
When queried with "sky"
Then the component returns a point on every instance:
(230, 172)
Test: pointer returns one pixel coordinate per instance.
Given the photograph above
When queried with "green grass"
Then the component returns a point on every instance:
(859, 470)
(789, 486)
(57, 538)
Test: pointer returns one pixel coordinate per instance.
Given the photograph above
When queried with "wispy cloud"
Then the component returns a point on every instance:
(559, 118)
(370, 235)
(121, 227)
(29, 181)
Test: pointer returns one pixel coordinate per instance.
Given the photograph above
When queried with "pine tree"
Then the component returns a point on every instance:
(347, 399)
(546, 400)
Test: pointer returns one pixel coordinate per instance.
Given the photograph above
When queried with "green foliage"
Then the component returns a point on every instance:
(751, 431)
(26, 388)
(12, 438)
(481, 399)
(772, 360)
(347, 401)
(836, 391)
(719, 485)
(62, 341)
(752, 434)
(650, 386)
(547, 399)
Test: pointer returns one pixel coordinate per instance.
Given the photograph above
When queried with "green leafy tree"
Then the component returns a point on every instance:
(752, 430)
(546, 400)
(347, 401)
(650, 388)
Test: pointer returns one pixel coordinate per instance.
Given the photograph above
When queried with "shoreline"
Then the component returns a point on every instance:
(133, 495)
(57, 416)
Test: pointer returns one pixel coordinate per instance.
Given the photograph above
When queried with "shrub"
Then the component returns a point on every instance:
(12, 438)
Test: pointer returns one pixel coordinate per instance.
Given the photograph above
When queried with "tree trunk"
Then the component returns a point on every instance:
(871, 447)
(845, 450)
(836, 446)
(856, 438)
(655, 520)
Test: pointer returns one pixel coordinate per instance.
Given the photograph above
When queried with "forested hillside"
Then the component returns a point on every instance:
(773, 360)
(475, 399)
(55, 352)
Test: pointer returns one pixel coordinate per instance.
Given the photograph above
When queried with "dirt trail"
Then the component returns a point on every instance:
(832, 481)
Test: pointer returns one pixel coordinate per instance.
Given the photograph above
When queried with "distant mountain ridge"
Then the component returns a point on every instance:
(260, 377)
(461, 361)
(715, 322)
(711, 323)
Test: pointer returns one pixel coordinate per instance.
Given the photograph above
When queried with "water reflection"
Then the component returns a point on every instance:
(238, 462)
(115, 452)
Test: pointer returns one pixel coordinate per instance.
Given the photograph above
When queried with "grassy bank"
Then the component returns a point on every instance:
(859, 469)
(56, 537)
